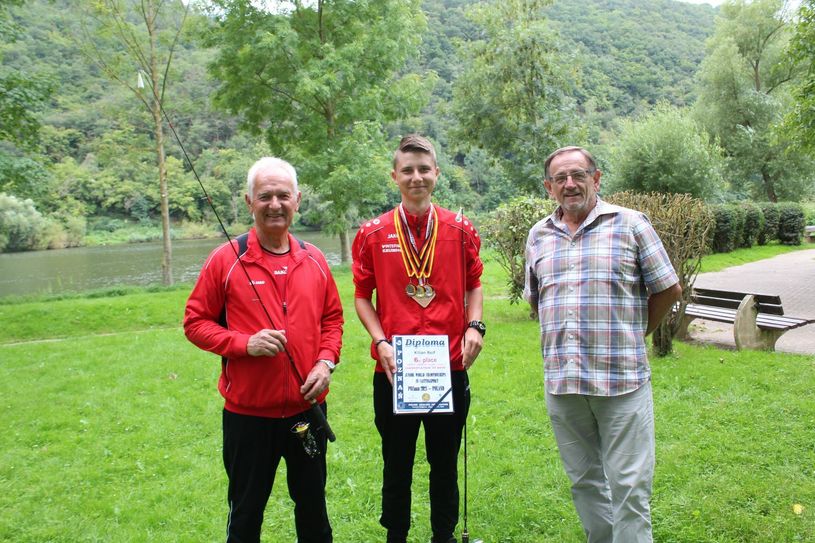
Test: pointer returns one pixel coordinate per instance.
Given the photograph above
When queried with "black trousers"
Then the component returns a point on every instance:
(253, 447)
(442, 443)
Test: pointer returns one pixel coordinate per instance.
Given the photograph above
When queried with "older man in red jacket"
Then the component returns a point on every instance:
(268, 396)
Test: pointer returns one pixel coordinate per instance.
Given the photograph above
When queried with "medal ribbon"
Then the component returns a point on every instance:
(418, 264)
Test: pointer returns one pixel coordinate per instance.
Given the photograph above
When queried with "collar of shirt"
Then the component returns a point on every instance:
(418, 225)
(601, 208)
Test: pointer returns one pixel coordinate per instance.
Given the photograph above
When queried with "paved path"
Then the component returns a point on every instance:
(792, 276)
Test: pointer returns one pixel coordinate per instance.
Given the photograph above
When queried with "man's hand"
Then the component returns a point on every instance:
(471, 345)
(385, 352)
(266, 343)
(316, 382)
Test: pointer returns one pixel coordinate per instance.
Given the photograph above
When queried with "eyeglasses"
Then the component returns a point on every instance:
(578, 176)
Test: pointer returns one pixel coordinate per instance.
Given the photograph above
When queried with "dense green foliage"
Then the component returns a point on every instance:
(729, 229)
(514, 96)
(769, 231)
(319, 81)
(746, 224)
(96, 145)
(666, 151)
(745, 85)
(22, 93)
(753, 224)
(522, 77)
(800, 122)
(634, 53)
(790, 223)
(506, 231)
(21, 225)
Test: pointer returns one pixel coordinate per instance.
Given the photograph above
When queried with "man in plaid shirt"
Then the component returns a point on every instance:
(600, 281)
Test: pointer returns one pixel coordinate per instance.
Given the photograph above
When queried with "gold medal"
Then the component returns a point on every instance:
(418, 263)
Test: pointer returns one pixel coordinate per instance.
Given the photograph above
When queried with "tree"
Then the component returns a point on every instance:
(513, 97)
(665, 151)
(148, 45)
(683, 223)
(319, 79)
(21, 225)
(744, 93)
(22, 95)
(800, 122)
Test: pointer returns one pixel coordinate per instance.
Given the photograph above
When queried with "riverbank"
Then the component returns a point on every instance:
(116, 232)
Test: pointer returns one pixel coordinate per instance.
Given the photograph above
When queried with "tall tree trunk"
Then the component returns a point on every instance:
(345, 247)
(167, 252)
(769, 186)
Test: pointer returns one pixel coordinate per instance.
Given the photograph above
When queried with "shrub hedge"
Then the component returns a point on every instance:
(729, 230)
(790, 223)
(753, 224)
(770, 230)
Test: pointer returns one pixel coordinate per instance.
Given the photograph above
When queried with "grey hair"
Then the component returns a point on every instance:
(550, 158)
(269, 162)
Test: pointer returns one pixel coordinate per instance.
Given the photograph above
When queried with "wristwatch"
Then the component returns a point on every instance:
(331, 366)
(478, 325)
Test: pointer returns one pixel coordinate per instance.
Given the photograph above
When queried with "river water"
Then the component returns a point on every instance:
(88, 268)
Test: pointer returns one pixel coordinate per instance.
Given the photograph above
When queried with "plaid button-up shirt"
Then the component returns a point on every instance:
(591, 290)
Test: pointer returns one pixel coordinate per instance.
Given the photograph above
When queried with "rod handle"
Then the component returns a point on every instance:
(318, 417)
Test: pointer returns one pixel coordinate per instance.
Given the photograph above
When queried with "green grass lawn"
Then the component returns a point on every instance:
(111, 432)
(719, 261)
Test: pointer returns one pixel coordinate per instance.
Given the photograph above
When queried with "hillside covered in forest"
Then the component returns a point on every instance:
(95, 148)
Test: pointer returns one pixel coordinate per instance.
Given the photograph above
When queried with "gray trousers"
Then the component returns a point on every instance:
(606, 445)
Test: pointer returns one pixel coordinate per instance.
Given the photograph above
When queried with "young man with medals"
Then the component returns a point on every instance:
(422, 261)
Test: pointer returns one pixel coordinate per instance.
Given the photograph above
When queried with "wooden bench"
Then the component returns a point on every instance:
(758, 319)
(809, 233)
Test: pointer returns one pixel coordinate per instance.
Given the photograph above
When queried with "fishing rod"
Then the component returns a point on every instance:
(465, 534)
(315, 411)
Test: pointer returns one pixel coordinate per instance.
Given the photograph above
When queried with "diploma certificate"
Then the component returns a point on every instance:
(422, 375)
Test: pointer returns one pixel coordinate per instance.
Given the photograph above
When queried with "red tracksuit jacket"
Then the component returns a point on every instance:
(310, 314)
(378, 266)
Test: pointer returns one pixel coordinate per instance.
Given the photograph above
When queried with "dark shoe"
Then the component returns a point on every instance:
(451, 540)
(394, 537)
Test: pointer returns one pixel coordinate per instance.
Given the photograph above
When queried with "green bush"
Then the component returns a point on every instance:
(63, 231)
(683, 223)
(506, 231)
(729, 228)
(790, 223)
(809, 213)
(753, 224)
(665, 151)
(770, 230)
(107, 224)
(21, 225)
